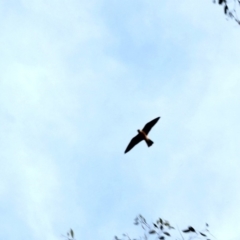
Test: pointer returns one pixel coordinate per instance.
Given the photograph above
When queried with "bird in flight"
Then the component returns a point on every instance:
(142, 135)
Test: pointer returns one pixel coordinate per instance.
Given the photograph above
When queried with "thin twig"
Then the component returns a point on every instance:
(180, 232)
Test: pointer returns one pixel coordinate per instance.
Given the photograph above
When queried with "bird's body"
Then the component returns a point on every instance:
(142, 135)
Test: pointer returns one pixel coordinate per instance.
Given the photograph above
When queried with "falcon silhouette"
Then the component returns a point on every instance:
(142, 135)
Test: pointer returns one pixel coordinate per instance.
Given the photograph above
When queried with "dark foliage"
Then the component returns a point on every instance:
(161, 230)
(230, 8)
(70, 235)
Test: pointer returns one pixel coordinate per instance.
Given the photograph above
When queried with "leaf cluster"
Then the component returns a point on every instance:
(162, 229)
(230, 11)
(70, 235)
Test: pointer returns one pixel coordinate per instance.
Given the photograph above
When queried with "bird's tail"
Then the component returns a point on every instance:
(149, 142)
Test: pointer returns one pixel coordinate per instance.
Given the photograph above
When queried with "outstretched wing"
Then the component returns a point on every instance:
(149, 125)
(138, 138)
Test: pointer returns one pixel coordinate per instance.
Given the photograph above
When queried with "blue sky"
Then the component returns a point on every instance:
(78, 78)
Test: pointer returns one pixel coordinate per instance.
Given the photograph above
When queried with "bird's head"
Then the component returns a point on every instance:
(138, 131)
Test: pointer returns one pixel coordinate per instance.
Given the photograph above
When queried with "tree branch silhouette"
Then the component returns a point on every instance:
(162, 229)
(230, 8)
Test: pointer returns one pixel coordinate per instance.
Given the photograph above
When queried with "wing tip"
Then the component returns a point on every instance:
(157, 118)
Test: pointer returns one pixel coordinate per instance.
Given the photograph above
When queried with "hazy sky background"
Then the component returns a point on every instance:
(78, 78)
